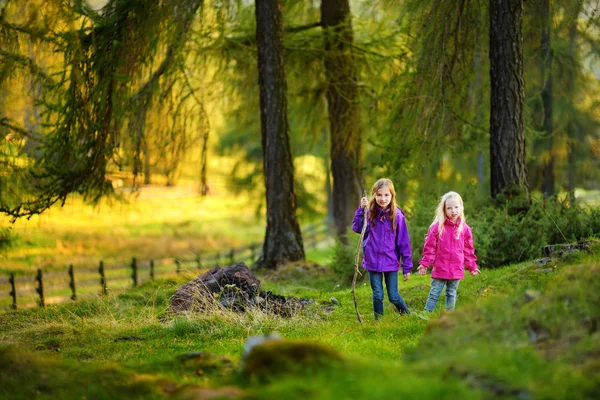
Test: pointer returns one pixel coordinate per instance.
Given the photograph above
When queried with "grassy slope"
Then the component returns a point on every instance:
(499, 343)
(158, 223)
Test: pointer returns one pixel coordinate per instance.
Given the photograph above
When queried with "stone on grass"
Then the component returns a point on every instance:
(233, 288)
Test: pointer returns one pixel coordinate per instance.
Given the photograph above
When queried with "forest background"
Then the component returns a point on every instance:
(157, 129)
(101, 98)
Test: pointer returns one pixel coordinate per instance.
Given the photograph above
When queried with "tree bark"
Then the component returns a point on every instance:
(283, 241)
(571, 125)
(507, 138)
(546, 71)
(344, 112)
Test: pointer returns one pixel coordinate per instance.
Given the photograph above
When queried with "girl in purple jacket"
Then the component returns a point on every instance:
(449, 248)
(386, 244)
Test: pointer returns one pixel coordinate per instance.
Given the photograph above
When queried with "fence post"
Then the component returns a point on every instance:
(102, 277)
(13, 292)
(231, 256)
(134, 274)
(72, 282)
(40, 289)
(252, 249)
(152, 269)
(177, 266)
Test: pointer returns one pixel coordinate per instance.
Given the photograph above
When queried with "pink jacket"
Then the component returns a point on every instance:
(449, 255)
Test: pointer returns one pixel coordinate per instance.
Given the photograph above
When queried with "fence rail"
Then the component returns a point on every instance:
(27, 290)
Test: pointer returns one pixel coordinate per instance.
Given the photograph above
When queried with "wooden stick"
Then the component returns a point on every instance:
(356, 261)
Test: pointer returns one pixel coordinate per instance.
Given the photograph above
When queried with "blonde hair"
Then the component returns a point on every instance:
(440, 214)
(380, 184)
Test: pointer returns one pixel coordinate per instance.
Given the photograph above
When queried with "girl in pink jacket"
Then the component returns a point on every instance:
(449, 248)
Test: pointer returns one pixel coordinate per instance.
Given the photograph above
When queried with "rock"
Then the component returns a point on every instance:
(234, 288)
(540, 262)
(200, 291)
(564, 249)
(254, 341)
(334, 301)
(536, 332)
(531, 295)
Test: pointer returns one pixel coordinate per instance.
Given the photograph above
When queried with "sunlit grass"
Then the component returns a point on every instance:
(589, 198)
(160, 222)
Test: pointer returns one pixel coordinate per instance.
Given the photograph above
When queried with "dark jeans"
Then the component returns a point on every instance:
(391, 284)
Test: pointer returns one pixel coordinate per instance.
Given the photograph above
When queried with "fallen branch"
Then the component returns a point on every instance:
(356, 260)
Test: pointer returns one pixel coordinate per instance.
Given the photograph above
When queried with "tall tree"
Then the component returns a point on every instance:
(507, 138)
(344, 111)
(571, 125)
(546, 73)
(283, 241)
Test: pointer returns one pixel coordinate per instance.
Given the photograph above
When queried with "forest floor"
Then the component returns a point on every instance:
(523, 331)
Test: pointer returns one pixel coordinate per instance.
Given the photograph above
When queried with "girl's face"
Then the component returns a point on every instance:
(383, 197)
(452, 209)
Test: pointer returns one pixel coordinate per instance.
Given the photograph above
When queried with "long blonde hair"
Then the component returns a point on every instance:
(440, 214)
(381, 183)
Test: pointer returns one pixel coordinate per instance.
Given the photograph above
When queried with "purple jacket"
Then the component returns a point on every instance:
(383, 249)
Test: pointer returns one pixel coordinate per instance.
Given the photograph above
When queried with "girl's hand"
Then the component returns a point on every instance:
(475, 272)
(421, 270)
(364, 202)
(406, 277)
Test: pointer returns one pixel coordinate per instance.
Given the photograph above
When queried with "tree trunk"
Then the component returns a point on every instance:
(571, 125)
(344, 112)
(546, 70)
(507, 139)
(283, 241)
(329, 192)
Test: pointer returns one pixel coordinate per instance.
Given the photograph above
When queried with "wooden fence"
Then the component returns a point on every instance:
(21, 290)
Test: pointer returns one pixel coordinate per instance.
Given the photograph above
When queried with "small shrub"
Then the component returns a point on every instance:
(342, 262)
(501, 237)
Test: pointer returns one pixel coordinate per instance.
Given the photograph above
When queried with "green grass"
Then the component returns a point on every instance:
(158, 223)
(522, 331)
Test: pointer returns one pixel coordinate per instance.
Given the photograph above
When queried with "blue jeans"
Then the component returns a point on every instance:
(391, 284)
(437, 285)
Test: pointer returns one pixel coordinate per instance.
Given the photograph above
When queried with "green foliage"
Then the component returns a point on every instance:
(7, 238)
(47, 378)
(342, 260)
(104, 80)
(274, 357)
(542, 333)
